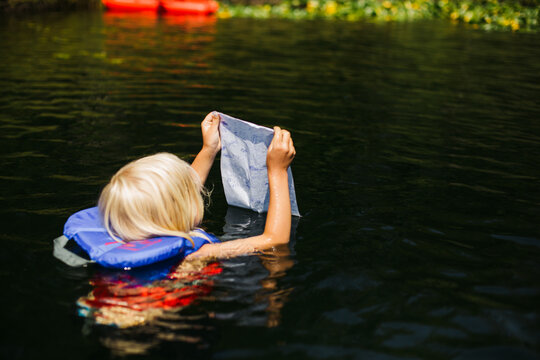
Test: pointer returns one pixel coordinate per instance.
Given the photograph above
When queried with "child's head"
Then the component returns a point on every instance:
(155, 195)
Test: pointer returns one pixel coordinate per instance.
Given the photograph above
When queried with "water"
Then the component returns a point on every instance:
(416, 173)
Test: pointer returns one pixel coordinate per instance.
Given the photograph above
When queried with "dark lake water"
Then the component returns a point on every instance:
(416, 174)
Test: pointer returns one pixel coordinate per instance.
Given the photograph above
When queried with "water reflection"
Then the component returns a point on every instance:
(145, 305)
(138, 297)
(154, 300)
(259, 274)
(131, 21)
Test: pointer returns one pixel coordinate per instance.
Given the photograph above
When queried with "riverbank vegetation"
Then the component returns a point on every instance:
(487, 14)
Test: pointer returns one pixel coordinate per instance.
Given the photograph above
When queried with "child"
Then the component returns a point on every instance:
(163, 195)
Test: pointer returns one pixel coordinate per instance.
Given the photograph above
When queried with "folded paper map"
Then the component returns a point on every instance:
(243, 165)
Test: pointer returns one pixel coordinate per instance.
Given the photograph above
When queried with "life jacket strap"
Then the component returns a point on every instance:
(69, 258)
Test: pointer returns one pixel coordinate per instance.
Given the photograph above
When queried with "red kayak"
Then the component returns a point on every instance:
(132, 5)
(190, 7)
(200, 7)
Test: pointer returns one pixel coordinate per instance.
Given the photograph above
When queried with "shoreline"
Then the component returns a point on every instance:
(490, 15)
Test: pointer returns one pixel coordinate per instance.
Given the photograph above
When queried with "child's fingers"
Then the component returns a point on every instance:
(212, 119)
(281, 136)
(286, 136)
(277, 135)
(208, 118)
(292, 150)
(282, 139)
(215, 117)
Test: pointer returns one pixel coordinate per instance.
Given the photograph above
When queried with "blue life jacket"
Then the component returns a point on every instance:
(88, 231)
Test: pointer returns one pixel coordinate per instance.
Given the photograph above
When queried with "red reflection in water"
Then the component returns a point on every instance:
(143, 19)
(122, 299)
(190, 21)
(147, 42)
(139, 18)
(185, 125)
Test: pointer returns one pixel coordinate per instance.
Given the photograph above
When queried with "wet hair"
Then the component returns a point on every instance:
(157, 195)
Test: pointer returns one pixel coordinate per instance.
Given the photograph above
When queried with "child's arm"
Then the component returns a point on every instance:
(278, 221)
(211, 146)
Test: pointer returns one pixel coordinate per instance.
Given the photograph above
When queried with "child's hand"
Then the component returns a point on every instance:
(210, 132)
(281, 151)
(207, 251)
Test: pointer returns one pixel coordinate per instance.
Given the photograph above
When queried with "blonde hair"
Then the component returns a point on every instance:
(154, 196)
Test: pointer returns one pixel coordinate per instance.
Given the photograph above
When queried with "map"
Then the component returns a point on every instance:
(243, 165)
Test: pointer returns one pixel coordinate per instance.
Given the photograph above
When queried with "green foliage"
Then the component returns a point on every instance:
(487, 14)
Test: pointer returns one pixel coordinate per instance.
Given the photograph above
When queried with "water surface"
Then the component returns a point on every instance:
(416, 173)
